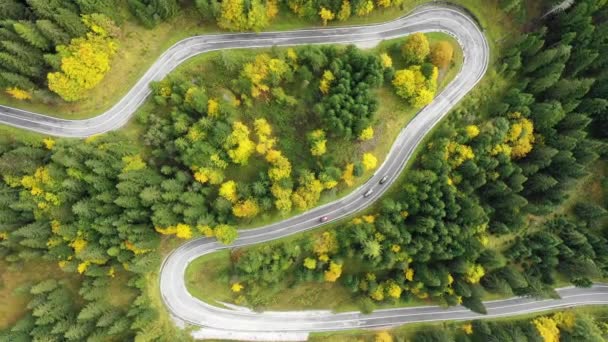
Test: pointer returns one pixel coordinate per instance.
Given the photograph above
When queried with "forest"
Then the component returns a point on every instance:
(210, 159)
(572, 325)
(272, 133)
(480, 179)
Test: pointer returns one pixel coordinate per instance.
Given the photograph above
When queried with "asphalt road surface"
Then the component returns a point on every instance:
(240, 323)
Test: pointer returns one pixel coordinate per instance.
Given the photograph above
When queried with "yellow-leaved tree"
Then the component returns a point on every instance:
(318, 142)
(326, 80)
(416, 48)
(18, 93)
(386, 60)
(547, 329)
(369, 161)
(326, 15)
(412, 85)
(308, 192)
(238, 145)
(334, 272)
(366, 134)
(442, 54)
(246, 208)
(228, 191)
(85, 62)
(345, 10)
(383, 336)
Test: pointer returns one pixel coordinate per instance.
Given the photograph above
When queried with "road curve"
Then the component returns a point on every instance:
(226, 322)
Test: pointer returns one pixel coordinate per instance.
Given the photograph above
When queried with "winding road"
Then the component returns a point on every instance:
(240, 323)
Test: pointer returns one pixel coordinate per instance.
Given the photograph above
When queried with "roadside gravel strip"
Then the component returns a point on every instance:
(243, 324)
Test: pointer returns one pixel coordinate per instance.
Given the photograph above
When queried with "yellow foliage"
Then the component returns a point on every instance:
(474, 273)
(411, 85)
(133, 163)
(547, 329)
(458, 153)
(3, 235)
(182, 231)
(326, 80)
(84, 64)
(325, 243)
(472, 131)
(18, 94)
(345, 10)
(396, 248)
(348, 175)
(205, 230)
(292, 55)
(281, 166)
(310, 263)
(383, 3)
(468, 328)
(324, 258)
(238, 145)
(263, 131)
(136, 250)
(565, 319)
(55, 225)
(236, 287)
(49, 143)
(365, 7)
(78, 244)
(394, 290)
(416, 47)
(262, 127)
(283, 197)
(369, 161)
(111, 272)
(260, 69)
(218, 161)
(82, 267)
(272, 8)
(318, 148)
(366, 134)
(378, 293)
(228, 191)
(213, 176)
(386, 60)
(369, 218)
(333, 273)
(213, 108)
(383, 336)
(409, 274)
(330, 184)
(501, 148)
(308, 192)
(247, 208)
(442, 54)
(326, 15)
(520, 137)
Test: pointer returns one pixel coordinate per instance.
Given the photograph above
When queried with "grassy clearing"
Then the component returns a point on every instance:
(140, 47)
(15, 280)
(208, 278)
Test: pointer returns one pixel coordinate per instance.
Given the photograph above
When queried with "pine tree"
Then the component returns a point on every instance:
(53, 32)
(30, 33)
